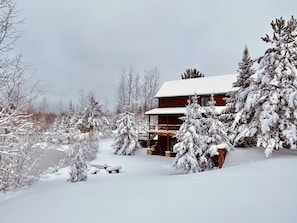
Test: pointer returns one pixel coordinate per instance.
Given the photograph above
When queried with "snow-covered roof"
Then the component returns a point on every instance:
(175, 110)
(167, 111)
(200, 86)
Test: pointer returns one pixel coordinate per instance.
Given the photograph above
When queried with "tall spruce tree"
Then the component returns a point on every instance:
(271, 105)
(216, 137)
(244, 80)
(189, 139)
(199, 138)
(126, 137)
(91, 123)
(244, 83)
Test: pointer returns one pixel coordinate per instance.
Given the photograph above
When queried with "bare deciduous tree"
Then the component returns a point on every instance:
(135, 94)
(60, 106)
(18, 91)
(150, 86)
(8, 22)
(121, 93)
(128, 94)
(82, 99)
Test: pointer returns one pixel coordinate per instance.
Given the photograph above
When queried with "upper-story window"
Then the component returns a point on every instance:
(204, 100)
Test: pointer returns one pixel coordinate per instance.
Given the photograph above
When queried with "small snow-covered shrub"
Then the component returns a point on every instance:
(78, 171)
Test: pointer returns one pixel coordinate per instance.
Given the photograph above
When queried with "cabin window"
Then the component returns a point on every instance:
(204, 101)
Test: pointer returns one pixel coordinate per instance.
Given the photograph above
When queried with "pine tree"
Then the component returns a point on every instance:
(92, 119)
(189, 139)
(192, 73)
(227, 116)
(92, 124)
(66, 132)
(199, 138)
(78, 170)
(244, 83)
(274, 97)
(244, 79)
(126, 137)
(215, 138)
(61, 131)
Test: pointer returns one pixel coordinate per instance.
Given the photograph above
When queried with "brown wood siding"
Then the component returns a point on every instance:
(173, 102)
(183, 101)
(220, 101)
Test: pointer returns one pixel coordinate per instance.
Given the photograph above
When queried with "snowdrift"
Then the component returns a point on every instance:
(250, 188)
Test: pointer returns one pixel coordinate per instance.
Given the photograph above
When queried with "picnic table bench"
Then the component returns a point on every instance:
(100, 165)
(108, 168)
(113, 168)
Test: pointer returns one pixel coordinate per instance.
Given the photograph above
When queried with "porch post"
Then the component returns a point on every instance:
(149, 134)
(168, 146)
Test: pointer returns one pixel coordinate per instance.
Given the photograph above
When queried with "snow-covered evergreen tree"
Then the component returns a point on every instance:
(126, 137)
(244, 83)
(199, 138)
(81, 129)
(244, 80)
(92, 119)
(189, 139)
(215, 137)
(66, 132)
(94, 123)
(227, 116)
(61, 130)
(272, 105)
(78, 171)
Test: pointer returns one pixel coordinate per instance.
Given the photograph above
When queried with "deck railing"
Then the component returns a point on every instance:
(166, 127)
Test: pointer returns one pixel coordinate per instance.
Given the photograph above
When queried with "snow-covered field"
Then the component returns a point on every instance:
(250, 188)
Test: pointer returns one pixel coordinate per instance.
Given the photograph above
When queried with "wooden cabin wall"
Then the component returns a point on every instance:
(183, 101)
(173, 102)
(220, 101)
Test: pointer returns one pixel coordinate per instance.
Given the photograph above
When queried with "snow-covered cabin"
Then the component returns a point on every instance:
(164, 121)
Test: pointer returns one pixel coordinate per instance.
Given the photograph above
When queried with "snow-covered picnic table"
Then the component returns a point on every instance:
(108, 168)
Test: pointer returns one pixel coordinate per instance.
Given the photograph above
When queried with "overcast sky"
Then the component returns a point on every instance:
(86, 44)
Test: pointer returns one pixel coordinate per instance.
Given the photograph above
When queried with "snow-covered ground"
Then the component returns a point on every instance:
(250, 188)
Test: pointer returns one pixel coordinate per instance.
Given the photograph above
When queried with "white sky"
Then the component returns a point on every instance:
(75, 44)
